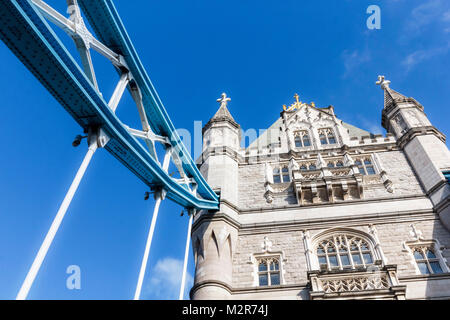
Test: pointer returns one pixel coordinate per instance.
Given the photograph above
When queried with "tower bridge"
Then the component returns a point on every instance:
(314, 208)
(25, 29)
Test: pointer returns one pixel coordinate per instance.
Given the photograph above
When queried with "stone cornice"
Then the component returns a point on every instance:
(214, 151)
(299, 224)
(244, 290)
(286, 156)
(425, 277)
(334, 204)
(209, 283)
(419, 131)
(220, 120)
(344, 221)
(442, 205)
(211, 217)
(436, 187)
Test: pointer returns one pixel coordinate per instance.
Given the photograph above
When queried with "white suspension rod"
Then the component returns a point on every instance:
(159, 197)
(26, 286)
(186, 257)
(118, 91)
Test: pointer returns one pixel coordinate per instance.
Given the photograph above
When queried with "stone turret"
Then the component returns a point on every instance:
(221, 140)
(214, 234)
(423, 144)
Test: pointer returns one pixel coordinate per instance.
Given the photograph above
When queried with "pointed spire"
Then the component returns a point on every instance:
(222, 114)
(390, 95)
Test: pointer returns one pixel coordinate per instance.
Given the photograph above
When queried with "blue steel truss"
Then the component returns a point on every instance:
(26, 32)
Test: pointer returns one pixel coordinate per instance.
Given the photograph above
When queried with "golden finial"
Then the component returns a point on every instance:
(313, 104)
(295, 106)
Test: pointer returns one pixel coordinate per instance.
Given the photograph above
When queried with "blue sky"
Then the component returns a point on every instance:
(260, 53)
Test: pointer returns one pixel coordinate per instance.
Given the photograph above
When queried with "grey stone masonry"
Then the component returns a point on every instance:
(320, 209)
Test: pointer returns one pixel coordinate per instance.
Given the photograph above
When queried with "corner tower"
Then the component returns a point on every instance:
(214, 234)
(423, 144)
(221, 140)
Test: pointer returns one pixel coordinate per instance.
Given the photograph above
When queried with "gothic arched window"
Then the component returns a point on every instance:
(285, 174)
(298, 142)
(269, 271)
(280, 176)
(276, 175)
(326, 136)
(426, 260)
(365, 166)
(344, 251)
(323, 138)
(302, 139)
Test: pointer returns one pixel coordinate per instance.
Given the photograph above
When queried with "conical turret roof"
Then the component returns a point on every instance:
(392, 97)
(222, 114)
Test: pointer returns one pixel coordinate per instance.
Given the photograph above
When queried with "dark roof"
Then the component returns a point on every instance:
(222, 115)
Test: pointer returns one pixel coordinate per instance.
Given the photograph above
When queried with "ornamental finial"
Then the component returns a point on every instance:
(295, 106)
(383, 83)
(223, 100)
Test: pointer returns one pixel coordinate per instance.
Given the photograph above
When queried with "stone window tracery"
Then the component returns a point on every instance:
(335, 164)
(308, 167)
(269, 271)
(326, 136)
(365, 166)
(344, 251)
(426, 260)
(302, 139)
(281, 175)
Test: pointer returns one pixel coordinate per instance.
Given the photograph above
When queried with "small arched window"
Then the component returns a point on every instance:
(285, 174)
(330, 165)
(326, 136)
(303, 167)
(331, 138)
(365, 166)
(306, 140)
(302, 139)
(276, 175)
(323, 138)
(312, 167)
(268, 271)
(298, 142)
(339, 164)
(344, 252)
(280, 176)
(426, 260)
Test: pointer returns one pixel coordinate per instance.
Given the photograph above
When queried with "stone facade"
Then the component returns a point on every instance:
(318, 209)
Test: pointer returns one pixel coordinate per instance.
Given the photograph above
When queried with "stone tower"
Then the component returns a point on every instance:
(214, 235)
(316, 208)
(423, 145)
